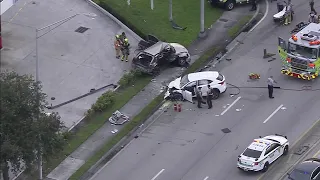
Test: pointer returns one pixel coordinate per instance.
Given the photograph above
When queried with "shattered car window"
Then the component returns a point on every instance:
(184, 81)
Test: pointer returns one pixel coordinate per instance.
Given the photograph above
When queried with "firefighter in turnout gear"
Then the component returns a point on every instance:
(289, 13)
(117, 46)
(125, 49)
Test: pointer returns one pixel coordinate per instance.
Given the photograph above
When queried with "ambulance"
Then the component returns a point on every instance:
(301, 55)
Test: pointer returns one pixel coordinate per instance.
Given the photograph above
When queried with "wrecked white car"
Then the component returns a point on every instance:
(183, 88)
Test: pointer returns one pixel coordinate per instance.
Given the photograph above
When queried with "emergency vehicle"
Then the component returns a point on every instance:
(262, 152)
(301, 55)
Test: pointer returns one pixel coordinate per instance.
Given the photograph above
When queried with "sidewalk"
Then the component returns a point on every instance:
(216, 35)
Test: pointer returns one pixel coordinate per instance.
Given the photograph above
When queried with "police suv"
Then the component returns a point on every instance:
(262, 152)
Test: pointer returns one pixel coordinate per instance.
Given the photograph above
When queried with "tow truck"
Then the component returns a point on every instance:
(301, 55)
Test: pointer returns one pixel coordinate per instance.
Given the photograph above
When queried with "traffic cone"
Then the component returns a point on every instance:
(179, 107)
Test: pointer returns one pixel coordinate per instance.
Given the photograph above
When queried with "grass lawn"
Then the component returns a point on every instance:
(186, 13)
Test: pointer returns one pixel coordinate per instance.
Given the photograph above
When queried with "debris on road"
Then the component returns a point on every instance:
(118, 118)
(283, 108)
(114, 131)
(238, 110)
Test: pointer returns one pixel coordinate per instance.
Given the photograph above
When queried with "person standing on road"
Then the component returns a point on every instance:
(311, 3)
(125, 50)
(289, 12)
(254, 5)
(123, 36)
(199, 97)
(271, 83)
(117, 46)
(209, 97)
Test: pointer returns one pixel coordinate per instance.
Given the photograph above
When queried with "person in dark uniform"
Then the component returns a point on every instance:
(209, 97)
(271, 83)
(311, 3)
(199, 97)
(254, 5)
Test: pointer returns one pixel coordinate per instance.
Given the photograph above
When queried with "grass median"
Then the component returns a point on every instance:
(139, 17)
(234, 30)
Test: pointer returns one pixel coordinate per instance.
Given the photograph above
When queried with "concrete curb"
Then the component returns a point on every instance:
(123, 26)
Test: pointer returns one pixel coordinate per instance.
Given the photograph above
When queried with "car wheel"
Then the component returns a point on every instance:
(229, 5)
(177, 96)
(156, 71)
(286, 150)
(182, 62)
(265, 167)
(216, 94)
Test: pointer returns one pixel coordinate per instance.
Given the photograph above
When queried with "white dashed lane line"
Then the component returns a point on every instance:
(273, 113)
(155, 177)
(233, 103)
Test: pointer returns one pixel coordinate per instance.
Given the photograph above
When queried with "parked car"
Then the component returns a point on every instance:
(155, 53)
(184, 87)
(262, 152)
(307, 170)
(228, 4)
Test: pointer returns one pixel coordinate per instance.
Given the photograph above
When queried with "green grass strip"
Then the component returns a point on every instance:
(234, 30)
(137, 120)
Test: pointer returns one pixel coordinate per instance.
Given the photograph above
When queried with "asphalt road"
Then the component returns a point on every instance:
(190, 145)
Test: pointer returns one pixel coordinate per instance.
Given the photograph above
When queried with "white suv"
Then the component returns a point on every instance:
(262, 152)
(183, 87)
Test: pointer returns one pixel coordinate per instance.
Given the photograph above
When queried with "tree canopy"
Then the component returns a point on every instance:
(26, 130)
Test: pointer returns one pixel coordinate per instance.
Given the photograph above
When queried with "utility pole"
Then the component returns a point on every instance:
(202, 32)
(152, 5)
(170, 10)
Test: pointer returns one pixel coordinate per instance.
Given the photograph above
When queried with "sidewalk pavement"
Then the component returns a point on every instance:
(70, 63)
(215, 35)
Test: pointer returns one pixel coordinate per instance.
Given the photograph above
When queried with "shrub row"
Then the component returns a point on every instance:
(107, 99)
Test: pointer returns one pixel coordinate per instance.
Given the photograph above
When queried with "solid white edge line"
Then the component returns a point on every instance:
(316, 154)
(234, 102)
(127, 145)
(206, 178)
(264, 16)
(157, 174)
(273, 113)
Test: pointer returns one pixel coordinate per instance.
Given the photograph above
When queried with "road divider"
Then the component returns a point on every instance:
(233, 103)
(155, 177)
(273, 113)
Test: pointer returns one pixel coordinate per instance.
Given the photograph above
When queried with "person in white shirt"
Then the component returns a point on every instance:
(271, 83)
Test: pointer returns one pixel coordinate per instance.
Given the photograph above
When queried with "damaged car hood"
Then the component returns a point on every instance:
(179, 48)
(175, 83)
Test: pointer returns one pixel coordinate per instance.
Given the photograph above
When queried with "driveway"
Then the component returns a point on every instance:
(70, 63)
(204, 144)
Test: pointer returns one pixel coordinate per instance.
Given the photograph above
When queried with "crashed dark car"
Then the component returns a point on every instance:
(155, 53)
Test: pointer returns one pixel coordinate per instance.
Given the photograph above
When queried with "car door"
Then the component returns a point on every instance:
(204, 86)
(188, 91)
(271, 152)
(282, 48)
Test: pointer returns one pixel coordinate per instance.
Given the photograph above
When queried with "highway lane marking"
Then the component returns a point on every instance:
(316, 154)
(274, 112)
(206, 178)
(234, 102)
(155, 177)
(296, 142)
